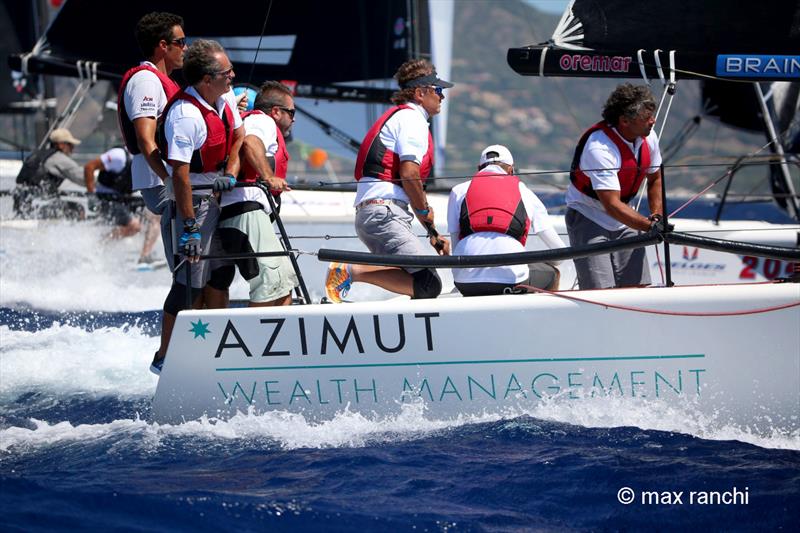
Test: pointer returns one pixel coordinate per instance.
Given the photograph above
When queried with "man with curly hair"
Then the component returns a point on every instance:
(612, 160)
(395, 159)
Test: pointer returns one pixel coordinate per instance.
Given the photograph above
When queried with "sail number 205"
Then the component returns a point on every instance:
(769, 268)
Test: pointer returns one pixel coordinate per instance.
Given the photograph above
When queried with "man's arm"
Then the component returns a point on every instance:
(256, 156)
(145, 128)
(183, 188)
(88, 173)
(232, 166)
(619, 210)
(654, 198)
(412, 185)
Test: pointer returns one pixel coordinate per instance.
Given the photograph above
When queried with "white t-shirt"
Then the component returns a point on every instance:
(491, 242)
(406, 134)
(113, 160)
(263, 127)
(600, 152)
(186, 132)
(144, 97)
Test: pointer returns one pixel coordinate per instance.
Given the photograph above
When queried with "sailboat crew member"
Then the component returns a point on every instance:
(244, 222)
(611, 161)
(202, 136)
(493, 213)
(143, 94)
(395, 159)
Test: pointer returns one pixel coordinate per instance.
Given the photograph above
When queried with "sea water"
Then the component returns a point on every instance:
(78, 327)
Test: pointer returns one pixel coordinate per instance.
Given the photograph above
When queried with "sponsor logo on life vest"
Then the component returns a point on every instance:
(758, 66)
(595, 63)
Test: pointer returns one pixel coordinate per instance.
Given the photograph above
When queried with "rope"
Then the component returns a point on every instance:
(661, 311)
(258, 47)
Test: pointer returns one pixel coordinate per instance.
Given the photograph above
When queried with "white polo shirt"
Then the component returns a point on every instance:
(601, 156)
(263, 127)
(491, 242)
(406, 134)
(186, 132)
(144, 97)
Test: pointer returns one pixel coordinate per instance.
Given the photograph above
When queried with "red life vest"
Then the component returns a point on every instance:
(125, 123)
(494, 203)
(374, 159)
(631, 171)
(213, 155)
(278, 163)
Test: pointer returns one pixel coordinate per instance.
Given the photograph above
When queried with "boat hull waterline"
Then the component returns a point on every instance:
(499, 354)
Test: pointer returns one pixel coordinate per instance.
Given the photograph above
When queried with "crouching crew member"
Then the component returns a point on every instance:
(244, 222)
(42, 173)
(202, 137)
(395, 159)
(493, 214)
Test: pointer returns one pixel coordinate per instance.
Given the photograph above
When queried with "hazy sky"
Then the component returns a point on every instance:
(555, 7)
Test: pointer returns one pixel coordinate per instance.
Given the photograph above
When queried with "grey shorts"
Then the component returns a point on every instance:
(627, 268)
(206, 212)
(158, 202)
(386, 229)
(270, 278)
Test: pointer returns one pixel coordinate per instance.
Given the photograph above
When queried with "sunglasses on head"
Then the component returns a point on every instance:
(180, 42)
(288, 111)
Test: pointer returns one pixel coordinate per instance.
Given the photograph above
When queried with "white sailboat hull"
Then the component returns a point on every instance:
(496, 354)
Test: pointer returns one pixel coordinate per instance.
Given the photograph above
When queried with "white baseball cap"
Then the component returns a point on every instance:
(496, 153)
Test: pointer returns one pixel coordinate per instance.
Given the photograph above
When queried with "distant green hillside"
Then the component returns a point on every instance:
(540, 119)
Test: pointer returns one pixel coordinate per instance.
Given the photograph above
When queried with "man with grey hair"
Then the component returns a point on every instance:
(611, 161)
(202, 134)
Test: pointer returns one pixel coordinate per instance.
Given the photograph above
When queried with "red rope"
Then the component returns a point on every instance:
(661, 312)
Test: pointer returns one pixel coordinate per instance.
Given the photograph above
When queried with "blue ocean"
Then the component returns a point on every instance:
(78, 449)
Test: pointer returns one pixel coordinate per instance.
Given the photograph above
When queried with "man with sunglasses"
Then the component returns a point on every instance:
(202, 134)
(244, 222)
(395, 159)
(493, 213)
(612, 160)
(143, 94)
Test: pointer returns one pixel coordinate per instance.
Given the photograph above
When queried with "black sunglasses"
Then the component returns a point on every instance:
(289, 112)
(180, 42)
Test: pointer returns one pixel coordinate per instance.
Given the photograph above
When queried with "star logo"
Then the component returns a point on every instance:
(199, 329)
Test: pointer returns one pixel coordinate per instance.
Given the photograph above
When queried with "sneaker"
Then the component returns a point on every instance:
(149, 262)
(157, 364)
(337, 283)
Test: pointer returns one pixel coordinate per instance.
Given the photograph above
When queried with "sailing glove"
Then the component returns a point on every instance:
(223, 183)
(657, 223)
(189, 242)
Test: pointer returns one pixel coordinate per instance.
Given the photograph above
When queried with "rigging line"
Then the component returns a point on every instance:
(547, 172)
(260, 38)
(664, 312)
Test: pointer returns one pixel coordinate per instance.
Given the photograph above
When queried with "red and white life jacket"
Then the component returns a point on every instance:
(126, 124)
(278, 163)
(213, 154)
(493, 203)
(630, 174)
(375, 160)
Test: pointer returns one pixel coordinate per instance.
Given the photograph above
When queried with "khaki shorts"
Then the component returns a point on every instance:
(270, 278)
